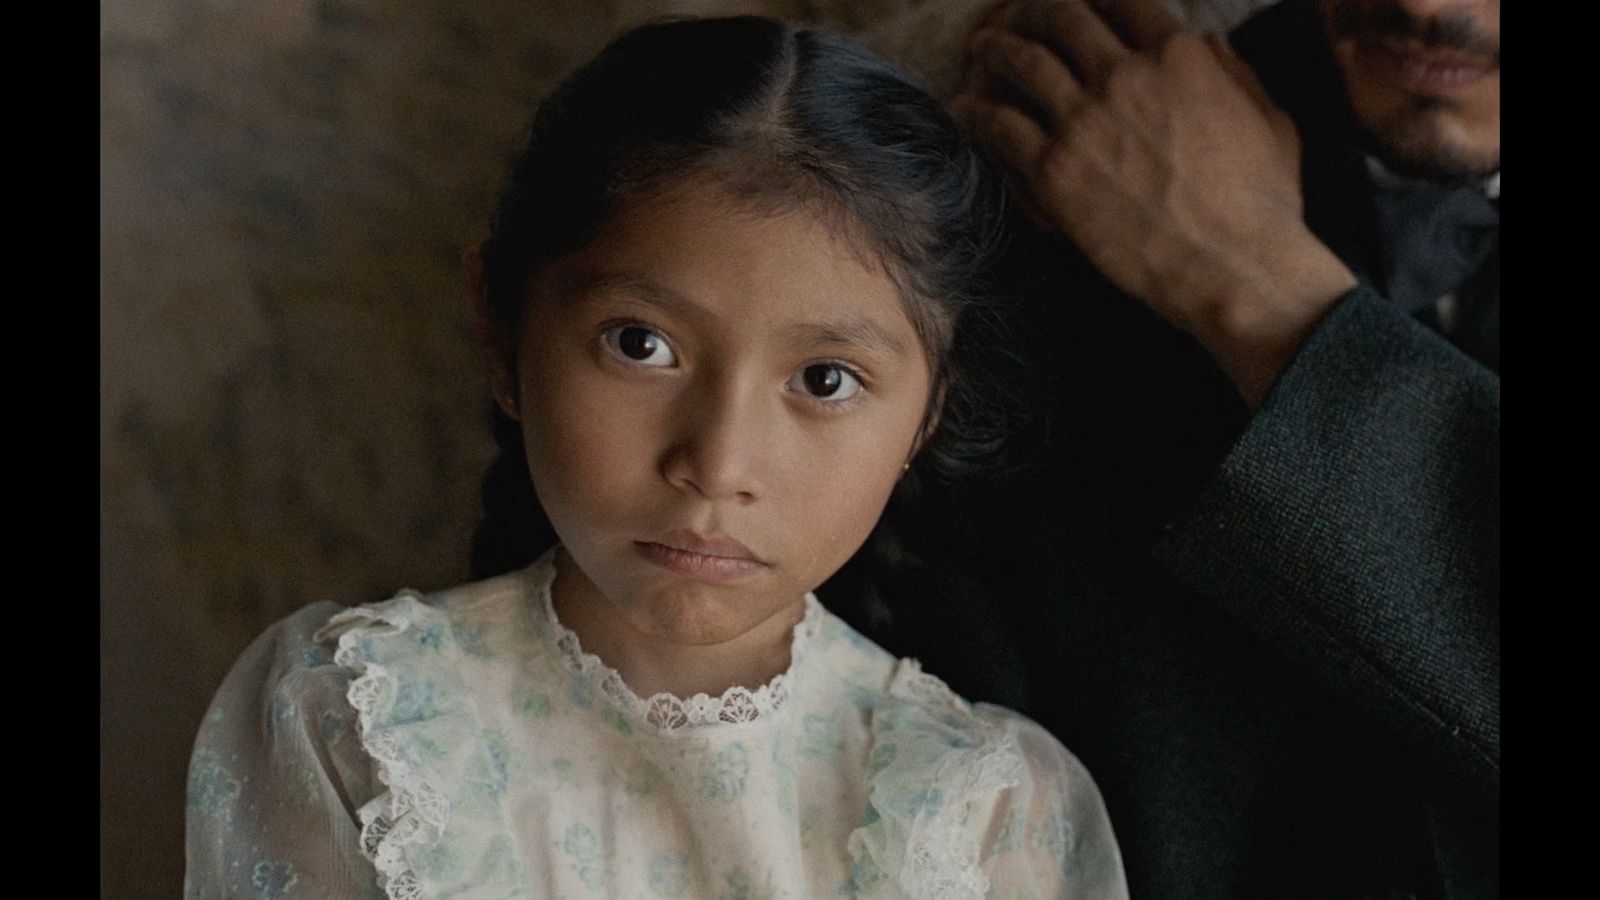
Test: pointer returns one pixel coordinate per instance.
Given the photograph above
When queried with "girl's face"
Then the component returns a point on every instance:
(716, 406)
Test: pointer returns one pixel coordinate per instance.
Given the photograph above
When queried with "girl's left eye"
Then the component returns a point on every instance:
(826, 381)
(639, 345)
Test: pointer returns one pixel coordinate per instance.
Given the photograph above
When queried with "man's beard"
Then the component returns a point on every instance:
(1411, 143)
(1378, 21)
(1413, 148)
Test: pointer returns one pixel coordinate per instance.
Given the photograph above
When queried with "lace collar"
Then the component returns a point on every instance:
(666, 713)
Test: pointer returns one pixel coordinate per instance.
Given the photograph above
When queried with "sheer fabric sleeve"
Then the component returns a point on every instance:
(976, 801)
(1050, 835)
(277, 775)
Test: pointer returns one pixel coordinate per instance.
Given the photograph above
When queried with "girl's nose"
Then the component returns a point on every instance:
(722, 448)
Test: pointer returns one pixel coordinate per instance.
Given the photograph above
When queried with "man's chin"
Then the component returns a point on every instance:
(1435, 151)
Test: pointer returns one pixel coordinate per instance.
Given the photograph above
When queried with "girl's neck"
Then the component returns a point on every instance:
(650, 664)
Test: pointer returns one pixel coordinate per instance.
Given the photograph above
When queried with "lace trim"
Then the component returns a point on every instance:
(941, 857)
(668, 713)
(413, 811)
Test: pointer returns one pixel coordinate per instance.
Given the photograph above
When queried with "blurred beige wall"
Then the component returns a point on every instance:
(291, 409)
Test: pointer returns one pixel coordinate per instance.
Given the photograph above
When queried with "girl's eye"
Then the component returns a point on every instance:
(827, 381)
(640, 345)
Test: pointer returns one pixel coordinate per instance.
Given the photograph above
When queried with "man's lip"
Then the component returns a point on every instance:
(1420, 52)
(714, 545)
(1430, 70)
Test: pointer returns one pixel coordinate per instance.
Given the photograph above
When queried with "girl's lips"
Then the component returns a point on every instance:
(701, 565)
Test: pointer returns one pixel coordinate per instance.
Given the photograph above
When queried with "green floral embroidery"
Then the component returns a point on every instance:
(894, 718)
(333, 724)
(582, 694)
(669, 874)
(722, 776)
(473, 641)
(496, 759)
(582, 851)
(869, 816)
(740, 887)
(272, 879)
(821, 736)
(310, 787)
(212, 788)
(613, 717)
(862, 697)
(927, 800)
(533, 704)
(428, 748)
(415, 701)
(283, 709)
(437, 862)
(1052, 836)
(865, 876)
(881, 758)
(431, 636)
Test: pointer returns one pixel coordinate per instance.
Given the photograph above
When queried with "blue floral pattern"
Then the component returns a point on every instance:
(272, 880)
(539, 781)
(582, 852)
(669, 874)
(723, 775)
(212, 788)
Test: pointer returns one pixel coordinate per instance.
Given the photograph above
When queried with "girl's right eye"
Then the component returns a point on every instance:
(639, 345)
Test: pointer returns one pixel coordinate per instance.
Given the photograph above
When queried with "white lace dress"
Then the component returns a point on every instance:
(463, 745)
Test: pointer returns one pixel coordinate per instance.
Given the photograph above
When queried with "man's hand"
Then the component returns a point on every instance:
(1159, 154)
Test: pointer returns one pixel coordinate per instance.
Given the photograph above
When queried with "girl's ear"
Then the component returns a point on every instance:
(930, 423)
(494, 342)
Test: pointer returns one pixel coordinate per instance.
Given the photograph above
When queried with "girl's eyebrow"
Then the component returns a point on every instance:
(641, 288)
(847, 331)
(851, 331)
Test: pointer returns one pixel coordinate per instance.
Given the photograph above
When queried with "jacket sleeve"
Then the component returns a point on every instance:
(1356, 525)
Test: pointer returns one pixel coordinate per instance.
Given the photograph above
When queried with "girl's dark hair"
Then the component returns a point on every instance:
(784, 118)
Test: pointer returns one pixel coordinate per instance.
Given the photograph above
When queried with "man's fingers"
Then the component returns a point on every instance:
(999, 14)
(1033, 69)
(1076, 32)
(1009, 134)
(1144, 24)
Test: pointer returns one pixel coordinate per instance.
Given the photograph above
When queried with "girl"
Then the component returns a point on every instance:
(725, 301)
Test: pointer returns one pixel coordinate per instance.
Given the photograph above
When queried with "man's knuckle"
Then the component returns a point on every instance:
(1127, 79)
(1182, 49)
(1058, 165)
(1063, 21)
(1033, 65)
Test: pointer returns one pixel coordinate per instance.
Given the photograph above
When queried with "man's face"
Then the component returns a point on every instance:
(1424, 79)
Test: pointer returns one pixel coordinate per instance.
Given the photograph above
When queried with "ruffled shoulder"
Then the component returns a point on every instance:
(438, 829)
(935, 774)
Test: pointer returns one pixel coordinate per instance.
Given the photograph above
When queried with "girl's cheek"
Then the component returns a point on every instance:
(848, 482)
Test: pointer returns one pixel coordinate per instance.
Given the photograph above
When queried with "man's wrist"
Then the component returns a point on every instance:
(1254, 328)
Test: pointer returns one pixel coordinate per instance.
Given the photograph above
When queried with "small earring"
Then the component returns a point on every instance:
(905, 468)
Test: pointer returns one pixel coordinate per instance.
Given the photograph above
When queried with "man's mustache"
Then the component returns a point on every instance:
(1386, 21)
